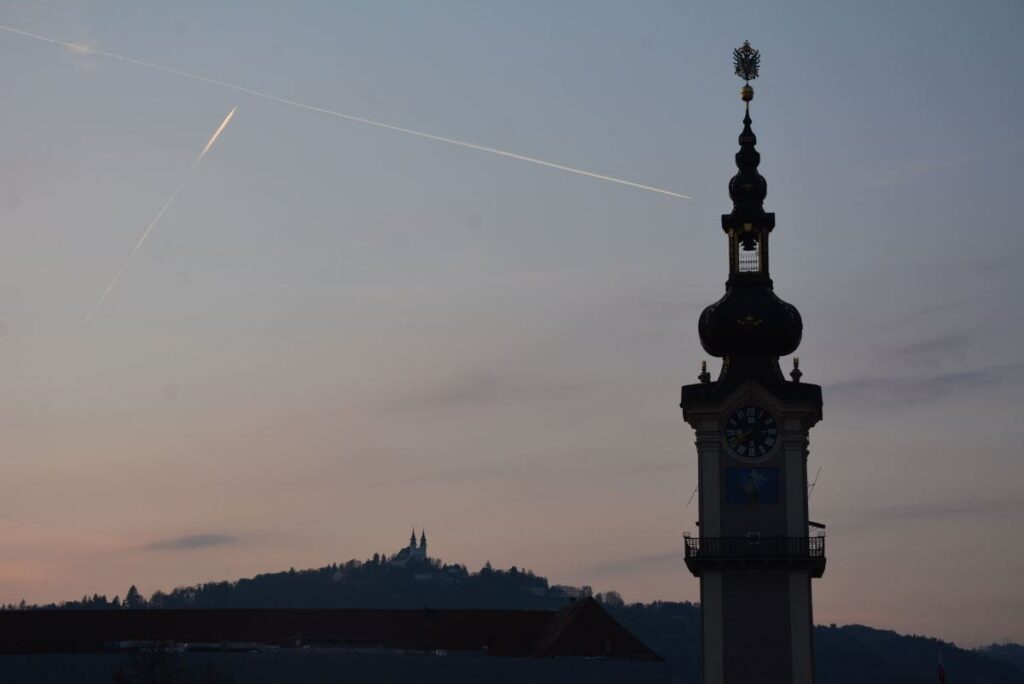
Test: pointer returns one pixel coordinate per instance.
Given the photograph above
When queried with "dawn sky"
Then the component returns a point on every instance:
(339, 331)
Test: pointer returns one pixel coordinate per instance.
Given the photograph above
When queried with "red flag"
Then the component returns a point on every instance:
(942, 670)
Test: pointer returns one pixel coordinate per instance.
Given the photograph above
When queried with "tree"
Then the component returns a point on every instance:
(612, 599)
(133, 599)
(157, 600)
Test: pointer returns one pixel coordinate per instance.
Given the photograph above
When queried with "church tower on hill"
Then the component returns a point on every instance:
(755, 553)
(412, 553)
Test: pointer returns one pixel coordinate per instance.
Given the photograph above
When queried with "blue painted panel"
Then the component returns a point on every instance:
(752, 485)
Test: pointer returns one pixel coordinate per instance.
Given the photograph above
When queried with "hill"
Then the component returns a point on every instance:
(1010, 653)
(850, 654)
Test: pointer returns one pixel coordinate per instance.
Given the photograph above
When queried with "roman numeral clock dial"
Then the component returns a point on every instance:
(751, 432)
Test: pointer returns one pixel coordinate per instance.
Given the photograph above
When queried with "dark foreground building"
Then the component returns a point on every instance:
(581, 642)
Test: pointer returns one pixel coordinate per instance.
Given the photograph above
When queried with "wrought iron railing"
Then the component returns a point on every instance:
(754, 547)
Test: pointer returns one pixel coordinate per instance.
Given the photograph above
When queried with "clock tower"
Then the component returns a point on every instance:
(754, 552)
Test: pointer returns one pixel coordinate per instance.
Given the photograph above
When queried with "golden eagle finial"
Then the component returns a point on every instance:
(746, 62)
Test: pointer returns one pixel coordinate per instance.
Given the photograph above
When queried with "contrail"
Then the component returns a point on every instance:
(159, 215)
(216, 134)
(340, 115)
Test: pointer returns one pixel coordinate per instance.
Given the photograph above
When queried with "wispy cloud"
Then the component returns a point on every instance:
(943, 510)
(467, 474)
(924, 387)
(656, 467)
(193, 541)
(70, 18)
(480, 388)
(932, 352)
(909, 171)
(931, 512)
(912, 170)
(636, 564)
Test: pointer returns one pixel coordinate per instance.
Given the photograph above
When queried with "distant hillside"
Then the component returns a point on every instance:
(1009, 653)
(857, 653)
(375, 583)
(851, 654)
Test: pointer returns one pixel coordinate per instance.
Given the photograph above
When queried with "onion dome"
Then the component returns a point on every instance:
(750, 320)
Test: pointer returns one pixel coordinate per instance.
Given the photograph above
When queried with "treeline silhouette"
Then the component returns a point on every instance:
(375, 583)
(850, 654)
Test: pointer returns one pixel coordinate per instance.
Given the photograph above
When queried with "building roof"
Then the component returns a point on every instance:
(581, 629)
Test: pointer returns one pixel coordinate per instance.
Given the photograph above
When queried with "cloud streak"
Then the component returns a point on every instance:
(925, 387)
(192, 542)
(944, 509)
(937, 512)
(482, 388)
(933, 351)
(636, 564)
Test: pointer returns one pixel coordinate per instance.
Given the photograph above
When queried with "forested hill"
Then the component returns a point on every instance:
(850, 654)
(375, 583)
(1011, 653)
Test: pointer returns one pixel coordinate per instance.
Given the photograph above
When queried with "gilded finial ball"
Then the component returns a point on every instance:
(746, 93)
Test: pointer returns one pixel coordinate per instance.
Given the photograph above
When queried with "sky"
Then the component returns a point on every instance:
(337, 331)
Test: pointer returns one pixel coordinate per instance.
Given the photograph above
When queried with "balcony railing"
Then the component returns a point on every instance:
(719, 552)
(755, 547)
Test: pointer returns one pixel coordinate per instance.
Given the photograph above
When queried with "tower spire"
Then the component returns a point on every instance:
(750, 327)
(748, 188)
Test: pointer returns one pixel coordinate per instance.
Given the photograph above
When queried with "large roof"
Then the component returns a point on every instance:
(581, 629)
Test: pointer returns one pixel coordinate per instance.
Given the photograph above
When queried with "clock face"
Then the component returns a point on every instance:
(751, 432)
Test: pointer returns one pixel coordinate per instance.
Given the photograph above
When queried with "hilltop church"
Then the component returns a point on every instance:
(412, 554)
